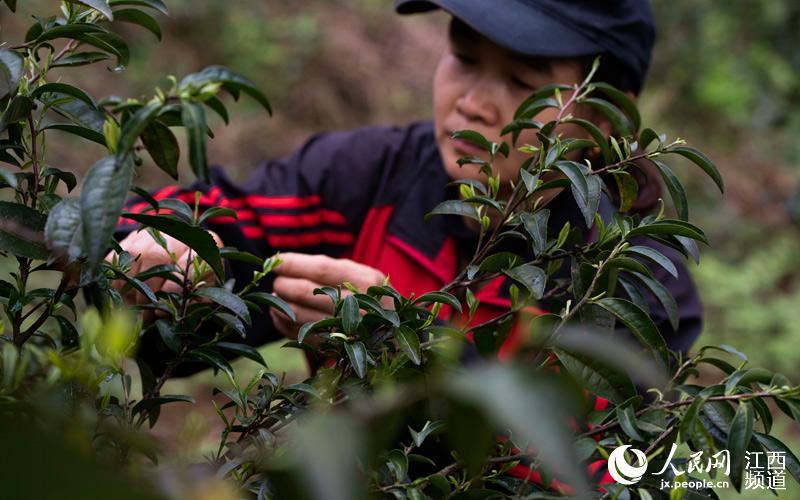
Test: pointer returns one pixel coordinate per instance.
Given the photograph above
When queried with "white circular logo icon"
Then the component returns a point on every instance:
(621, 470)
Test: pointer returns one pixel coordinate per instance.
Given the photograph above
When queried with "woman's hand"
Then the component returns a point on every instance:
(299, 274)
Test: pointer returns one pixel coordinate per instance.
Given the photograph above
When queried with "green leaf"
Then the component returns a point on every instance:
(639, 323)
(589, 207)
(233, 82)
(599, 137)
(148, 403)
(454, 207)
(627, 421)
(80, 59)
(271, 300)
(163, 147)
(427, 430)
(597, 377)
(634, 294)
(12, 5)
(136, 125)
(21, 222)
(214, 359)
(474, 138)
(623, 101)
(195, 237)
(194, 119)
(102, 197)
(647, 136)
(690, 417)
(63, 88)
(654, 256)
(576, 175)
(408, 340)
(533, 278)
(702, 161)
(233, 254)
(10, 71)
(628, 190)
(350, 314)
(739, 436)
(84, 132)
(439, 297)
(669, 226)
(745, 377)
(536, 226)
(357, 352)
(664, 296)
(218, 107)
(774, 445)
(18, 109)
(158, 5)
(63, 232)
(243, 350)
(675, 188)
(226, 299)
(72, 31)
(618, 120)
(100, 6)
(141, 18)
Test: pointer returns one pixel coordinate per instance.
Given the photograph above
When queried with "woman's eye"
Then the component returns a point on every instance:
(463, 58)
(518, 82)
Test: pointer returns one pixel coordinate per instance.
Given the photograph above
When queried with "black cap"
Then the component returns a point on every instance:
(623, 29)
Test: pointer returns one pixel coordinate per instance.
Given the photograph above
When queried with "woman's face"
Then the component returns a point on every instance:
(478, 85)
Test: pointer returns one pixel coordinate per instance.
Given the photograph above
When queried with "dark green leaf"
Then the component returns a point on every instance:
(63, 88)
(213, 358)
(148, 403)
(69, 334)
(618, 119)
(243, 350)
(218, 107)
(627, 421)
(664, 296)
(80, 59)
(647, 136)
(226, 299)
(158, 5)
(675, 188)
(194, 119)
(597, 377)
(689, 420)
(233, 254)
(136, 125)
(741, 432)
(109, 42)
(454, 207)
(599, 137)
(440, 297)
(21, 222)
(102, 197)
(271, 300)
(18, 109)
(576, 174)
(776, 446)
(357, 352)
(474, 138)
(350, 314)
(623, 101)
(99, 5)
(408, 340)
(745, 377)
(669, 226)
(10, 71)
(233, 82)
(654, 256)
(163, 147)
(533, 278)
(702, 161)
(139, 17)
(536, 226)
(639, 324)
(194, 237)
(72, 30)
(84, 132)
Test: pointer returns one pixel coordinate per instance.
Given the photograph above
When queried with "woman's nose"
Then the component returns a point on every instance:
(479, 103)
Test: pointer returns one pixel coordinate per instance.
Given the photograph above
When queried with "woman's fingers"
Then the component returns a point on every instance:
(301, 291)
(328, 271)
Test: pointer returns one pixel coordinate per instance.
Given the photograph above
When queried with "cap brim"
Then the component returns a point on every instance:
(514, 25)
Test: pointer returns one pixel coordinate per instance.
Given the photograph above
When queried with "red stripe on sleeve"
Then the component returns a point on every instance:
(303, 220)
(309, 239)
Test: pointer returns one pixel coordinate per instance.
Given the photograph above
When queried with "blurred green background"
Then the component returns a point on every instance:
(724, 77)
